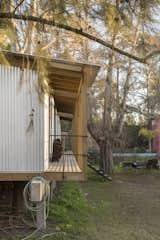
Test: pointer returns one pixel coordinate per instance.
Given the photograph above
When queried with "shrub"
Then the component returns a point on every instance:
(70, 209)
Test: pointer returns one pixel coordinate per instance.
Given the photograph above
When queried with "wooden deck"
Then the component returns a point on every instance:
(66, 169)
(67, 164)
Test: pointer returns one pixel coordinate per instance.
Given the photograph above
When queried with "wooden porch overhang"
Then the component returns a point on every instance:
(65, 77)
(66, 86)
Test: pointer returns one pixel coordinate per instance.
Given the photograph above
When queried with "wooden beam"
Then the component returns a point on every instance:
(65, 73)
(66, 66)
(65, 84)
(67, 94)
(57, 176)
(64, 87)
(80, 125)
(79, 88)
(63, 79)
(90, 74)
(65, 108)
(64, 100)
(41, 215)
(65, 115)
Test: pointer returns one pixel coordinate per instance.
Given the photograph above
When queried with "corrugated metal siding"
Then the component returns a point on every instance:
(46, 132)
(52, 125)
(20, 146)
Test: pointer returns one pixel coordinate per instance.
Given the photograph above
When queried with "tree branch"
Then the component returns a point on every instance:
(18, 5)
(152, 54)
(94, 132)
(53, 23)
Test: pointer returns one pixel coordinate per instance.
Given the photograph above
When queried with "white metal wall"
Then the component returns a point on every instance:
(55, 125)
(21, 142)
(46, 132)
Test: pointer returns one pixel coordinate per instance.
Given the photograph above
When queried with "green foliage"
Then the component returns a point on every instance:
(148, 134)
(94, 155)
(131, 140)
(42, 64)
(118, 168)
(6, 36)
(3, 59)
(94, 177)
(71, 212)
(70, 209)
(7, 33)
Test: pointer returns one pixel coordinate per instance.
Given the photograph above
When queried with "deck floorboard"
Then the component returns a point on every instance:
(67, 163)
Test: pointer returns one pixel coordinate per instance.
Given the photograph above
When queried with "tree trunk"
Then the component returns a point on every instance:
(106, 157)
(106, 146)
(150, 145)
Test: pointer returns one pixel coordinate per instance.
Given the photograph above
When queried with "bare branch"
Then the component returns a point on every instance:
(18, 5)
(152, 54)
(40, 20)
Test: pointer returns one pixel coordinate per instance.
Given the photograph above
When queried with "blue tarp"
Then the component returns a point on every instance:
(136, 154)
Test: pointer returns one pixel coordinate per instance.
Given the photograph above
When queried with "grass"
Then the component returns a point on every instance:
(69, 210)
(128, 208)
(133, 211)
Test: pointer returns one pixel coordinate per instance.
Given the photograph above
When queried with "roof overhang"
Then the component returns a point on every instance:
(65, 77)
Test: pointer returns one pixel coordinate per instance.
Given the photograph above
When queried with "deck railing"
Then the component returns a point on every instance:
(67, 150)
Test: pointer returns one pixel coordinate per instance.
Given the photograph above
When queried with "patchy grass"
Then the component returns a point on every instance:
(71, 212)
(70, 209)
(131, 210)
(128, 208)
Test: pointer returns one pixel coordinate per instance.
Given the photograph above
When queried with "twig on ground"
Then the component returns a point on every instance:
(52, 234)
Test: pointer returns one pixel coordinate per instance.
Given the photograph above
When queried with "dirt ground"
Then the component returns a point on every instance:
(130, 207)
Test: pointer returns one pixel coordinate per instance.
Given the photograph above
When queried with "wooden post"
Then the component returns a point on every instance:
(52, 189)
(41, 216)
(80, 125)
(81, 117)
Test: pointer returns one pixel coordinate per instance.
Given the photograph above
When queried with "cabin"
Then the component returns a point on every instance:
(29, 125)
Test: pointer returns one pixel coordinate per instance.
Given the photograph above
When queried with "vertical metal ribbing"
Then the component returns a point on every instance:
(20, 151)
